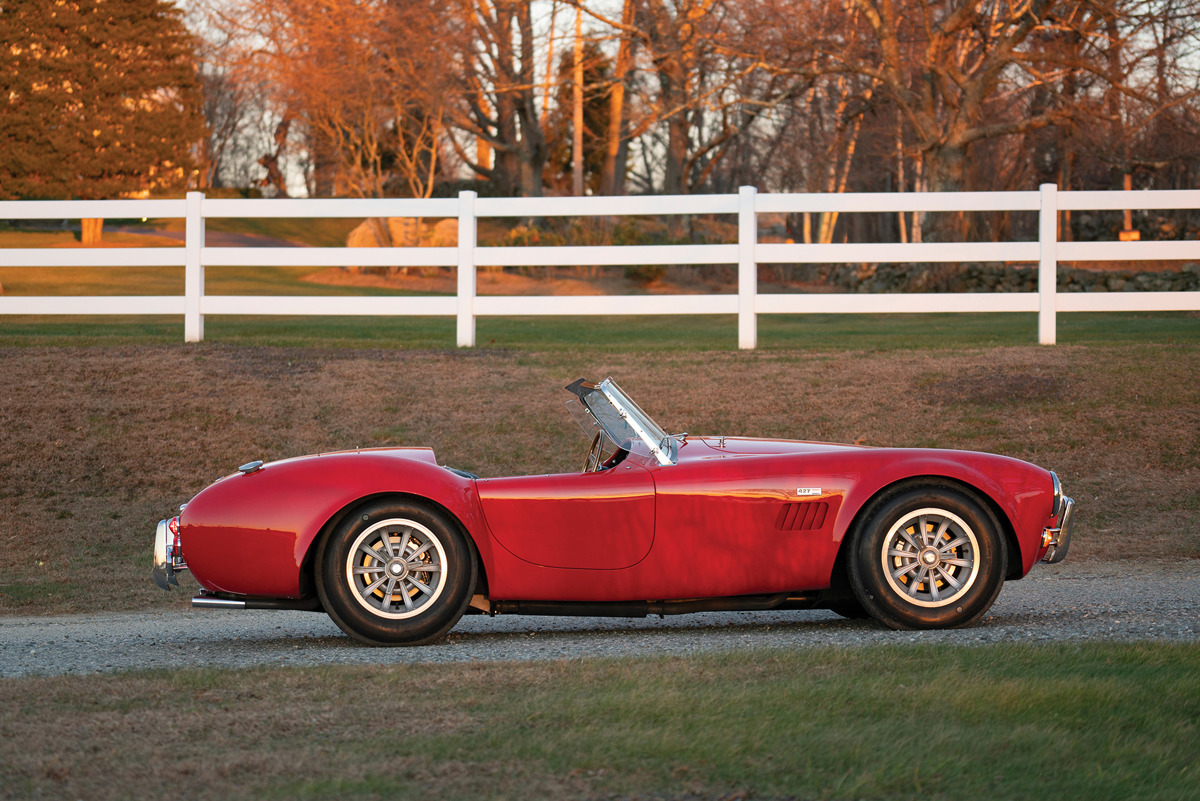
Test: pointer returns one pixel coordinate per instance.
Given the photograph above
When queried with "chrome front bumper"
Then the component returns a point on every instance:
(1057, 540)
(168, 558)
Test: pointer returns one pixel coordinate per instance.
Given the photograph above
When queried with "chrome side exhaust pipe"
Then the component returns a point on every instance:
(206, 601)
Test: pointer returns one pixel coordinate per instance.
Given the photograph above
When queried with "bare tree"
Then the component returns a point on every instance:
(814, 95)
(359, 78)
(702, 58)
(944, 63)
(497, 93)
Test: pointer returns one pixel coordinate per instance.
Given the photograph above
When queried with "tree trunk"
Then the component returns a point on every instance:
(483, 154)
(945, 167)
(901, 186)
(577, 115)
(506, 164)
(674, 180)
(672, 79)
(532, 143)
(612, 174)
(91, 231)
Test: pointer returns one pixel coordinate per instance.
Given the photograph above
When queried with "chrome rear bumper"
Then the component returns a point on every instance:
(168, 558)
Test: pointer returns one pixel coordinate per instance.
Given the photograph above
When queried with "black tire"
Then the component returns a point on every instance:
(411, 596)
(947, 578)
(850, 609)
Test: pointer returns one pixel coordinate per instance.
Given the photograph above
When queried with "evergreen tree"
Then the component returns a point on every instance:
(596, 111)
(98, 98)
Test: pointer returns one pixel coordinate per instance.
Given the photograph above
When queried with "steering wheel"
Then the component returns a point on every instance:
(594, 453)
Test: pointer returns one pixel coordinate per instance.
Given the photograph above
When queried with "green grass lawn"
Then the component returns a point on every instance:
(311, 231)
(70, 239)
(1096, 721)
(667, 333)
(316, 232)
(257, 280)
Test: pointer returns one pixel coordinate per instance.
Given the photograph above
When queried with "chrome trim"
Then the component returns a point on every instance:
(159, 572)
(665, 456)
(208, 600)
(940, 555)
(408, 573)
(168, 558)
(1057, 539)
(204, 602)
(1056, 505)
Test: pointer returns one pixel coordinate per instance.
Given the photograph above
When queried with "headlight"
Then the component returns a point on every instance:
(1056, 508)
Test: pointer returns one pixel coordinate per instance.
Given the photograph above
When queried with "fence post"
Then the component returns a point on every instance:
(747, 269)
(1048, 265)
(193, 269)
(466, 269)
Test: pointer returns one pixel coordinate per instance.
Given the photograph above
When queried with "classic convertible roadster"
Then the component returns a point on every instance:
(396, 548)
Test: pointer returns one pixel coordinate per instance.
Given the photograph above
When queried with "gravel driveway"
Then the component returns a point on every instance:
(1113, 601)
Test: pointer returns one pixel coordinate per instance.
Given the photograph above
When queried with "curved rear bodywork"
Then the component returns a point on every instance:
(251, 533)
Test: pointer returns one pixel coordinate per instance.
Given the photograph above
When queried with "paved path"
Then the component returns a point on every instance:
(1115, 601)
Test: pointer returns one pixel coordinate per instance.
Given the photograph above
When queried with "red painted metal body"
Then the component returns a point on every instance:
(251, 534)
(732, 517)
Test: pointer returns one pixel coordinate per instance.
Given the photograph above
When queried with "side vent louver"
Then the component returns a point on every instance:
(802, 516)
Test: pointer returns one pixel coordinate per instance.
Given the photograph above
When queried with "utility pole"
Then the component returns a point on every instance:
(577, 143)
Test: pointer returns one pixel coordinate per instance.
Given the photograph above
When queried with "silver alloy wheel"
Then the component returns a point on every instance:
(930, 557)
(396, 568)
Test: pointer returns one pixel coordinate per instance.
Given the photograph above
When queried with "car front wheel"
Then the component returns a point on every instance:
(395, 573)
(928, 556)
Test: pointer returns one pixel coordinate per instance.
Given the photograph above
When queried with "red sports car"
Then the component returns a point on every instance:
(396, 548)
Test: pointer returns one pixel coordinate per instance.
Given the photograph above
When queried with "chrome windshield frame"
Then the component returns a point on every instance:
(661, 445)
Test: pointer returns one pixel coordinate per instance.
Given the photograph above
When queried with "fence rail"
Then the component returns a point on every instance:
(747, 253)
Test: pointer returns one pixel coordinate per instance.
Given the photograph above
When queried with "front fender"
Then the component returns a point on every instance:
(1022, 492)
(249, 533)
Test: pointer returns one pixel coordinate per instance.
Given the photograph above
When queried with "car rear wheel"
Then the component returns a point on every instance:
(928, 556)
(396, 573)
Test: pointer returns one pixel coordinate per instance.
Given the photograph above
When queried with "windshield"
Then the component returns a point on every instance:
(622, 419)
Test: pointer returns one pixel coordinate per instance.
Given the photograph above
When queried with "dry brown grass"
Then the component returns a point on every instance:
(97, 444)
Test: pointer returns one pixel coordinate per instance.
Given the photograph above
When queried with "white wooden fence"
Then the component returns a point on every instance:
(747, 253)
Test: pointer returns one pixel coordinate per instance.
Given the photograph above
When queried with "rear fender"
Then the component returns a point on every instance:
(254, 532)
